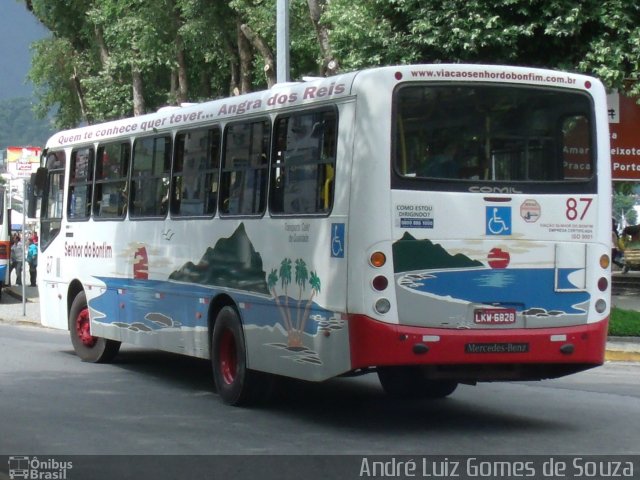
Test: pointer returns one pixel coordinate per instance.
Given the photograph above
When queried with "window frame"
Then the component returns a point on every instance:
(211, 130)
(573, 186)
(165, 174)
(332, 109)
(59, 171)
(86, 182)
(110, 181)
(224, 189)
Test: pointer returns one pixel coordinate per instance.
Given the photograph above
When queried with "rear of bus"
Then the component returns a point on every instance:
(491, 196)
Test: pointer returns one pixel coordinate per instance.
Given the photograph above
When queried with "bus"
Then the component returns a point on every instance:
(5, 240)
(433, 224)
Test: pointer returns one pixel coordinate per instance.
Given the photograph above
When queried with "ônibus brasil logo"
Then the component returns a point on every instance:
(38, 469)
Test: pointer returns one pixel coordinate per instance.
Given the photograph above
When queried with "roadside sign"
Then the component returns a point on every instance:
(624, 125)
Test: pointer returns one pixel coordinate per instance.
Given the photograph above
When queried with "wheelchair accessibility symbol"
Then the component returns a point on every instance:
(337, 240)
(498, 220)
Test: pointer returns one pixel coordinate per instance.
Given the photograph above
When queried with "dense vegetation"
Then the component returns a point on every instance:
(113, 58)
(19, 127)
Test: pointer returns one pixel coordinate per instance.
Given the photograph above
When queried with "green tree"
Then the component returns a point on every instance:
(623, 211)
(113, 58)
(378, 29)
(141, 40)
(59, 63)
(599, 37)
(19, 127)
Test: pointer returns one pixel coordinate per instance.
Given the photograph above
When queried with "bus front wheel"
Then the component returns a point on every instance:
(410, 382)
(235, 383)
(87, 347)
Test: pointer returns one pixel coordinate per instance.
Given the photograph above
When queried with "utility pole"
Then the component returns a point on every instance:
(24, 244)
(282, 44)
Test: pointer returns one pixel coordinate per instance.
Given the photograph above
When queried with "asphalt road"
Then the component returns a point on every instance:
(150, 403)
(161, 408)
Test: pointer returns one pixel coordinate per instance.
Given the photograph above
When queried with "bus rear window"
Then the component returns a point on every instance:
(492, 133)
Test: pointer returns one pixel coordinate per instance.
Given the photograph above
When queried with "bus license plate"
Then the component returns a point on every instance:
(494, 316)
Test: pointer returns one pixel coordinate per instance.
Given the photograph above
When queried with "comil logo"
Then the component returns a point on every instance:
(38, 469)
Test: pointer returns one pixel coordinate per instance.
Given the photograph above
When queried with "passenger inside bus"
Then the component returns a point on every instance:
(443, 164)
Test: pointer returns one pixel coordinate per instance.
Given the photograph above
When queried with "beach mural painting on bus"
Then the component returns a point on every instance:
(428, 269)
(232, 265)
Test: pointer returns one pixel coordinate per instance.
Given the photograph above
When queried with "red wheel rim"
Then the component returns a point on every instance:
(228, 357)
(83, 328)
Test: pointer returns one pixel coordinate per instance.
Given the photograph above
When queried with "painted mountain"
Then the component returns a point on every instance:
(232, 262)
(411, 254)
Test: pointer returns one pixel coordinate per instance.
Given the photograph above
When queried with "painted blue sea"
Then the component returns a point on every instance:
(152, 304)
(522, 289)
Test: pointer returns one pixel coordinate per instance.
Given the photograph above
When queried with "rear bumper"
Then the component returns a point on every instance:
(374, 343)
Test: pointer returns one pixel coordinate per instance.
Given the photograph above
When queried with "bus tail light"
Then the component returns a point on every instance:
(378, 259)
(603, 284)
(605, 261)
(382, 306)
(5, 250)
(601, 306)
(380, 283)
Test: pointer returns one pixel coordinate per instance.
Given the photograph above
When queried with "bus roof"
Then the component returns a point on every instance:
(167, 119)
(292, 94)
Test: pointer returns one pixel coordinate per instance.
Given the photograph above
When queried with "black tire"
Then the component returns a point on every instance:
(235, 383)
(87, 347)
(410, 382)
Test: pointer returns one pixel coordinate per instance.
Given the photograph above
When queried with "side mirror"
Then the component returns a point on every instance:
(33, 192)
(38, 181)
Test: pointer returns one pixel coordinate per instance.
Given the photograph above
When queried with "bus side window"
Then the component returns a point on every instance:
(80, 184)
(52, 198)
(149, 185)
(303, 163)
(243, 183)
(194, 181)
(110, 192)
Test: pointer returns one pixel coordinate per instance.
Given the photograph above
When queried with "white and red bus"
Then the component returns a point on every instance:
(436, 224)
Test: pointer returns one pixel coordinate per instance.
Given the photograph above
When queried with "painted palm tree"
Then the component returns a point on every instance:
(301, 275)
(285, 273)
(314, 283)
(285, 280)
(272, 280)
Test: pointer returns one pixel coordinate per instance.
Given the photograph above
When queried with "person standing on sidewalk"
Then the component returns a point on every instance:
(32, 260)
(17, 257)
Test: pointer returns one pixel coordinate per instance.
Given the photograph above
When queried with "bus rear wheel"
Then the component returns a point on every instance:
(87, 347)
(235, 383)
(410, 382)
